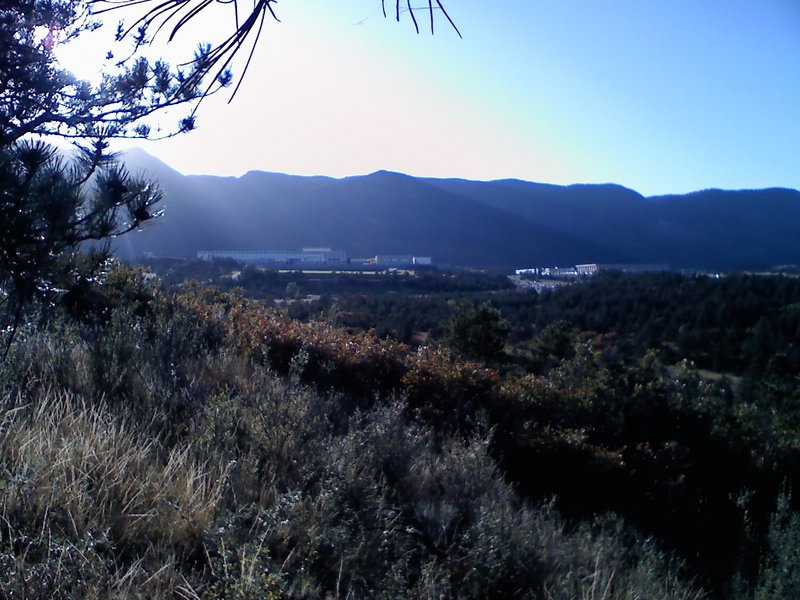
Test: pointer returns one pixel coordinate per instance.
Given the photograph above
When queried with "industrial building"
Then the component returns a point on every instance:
(401, 260)
(312, 257)
(306, 256)
(589, 269)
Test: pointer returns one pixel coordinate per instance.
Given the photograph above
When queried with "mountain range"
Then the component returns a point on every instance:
(504, 223)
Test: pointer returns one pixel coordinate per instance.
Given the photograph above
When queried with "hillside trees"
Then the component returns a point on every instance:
(476, 331)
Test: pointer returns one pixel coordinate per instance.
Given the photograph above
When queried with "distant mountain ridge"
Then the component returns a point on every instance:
(504, 223)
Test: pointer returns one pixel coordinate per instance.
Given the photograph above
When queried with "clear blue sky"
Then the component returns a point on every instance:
(661, 96)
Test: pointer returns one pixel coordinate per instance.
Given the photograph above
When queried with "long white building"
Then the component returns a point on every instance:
(306, 256)
(311, 257)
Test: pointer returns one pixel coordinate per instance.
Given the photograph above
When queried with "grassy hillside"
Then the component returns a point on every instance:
(198, 444)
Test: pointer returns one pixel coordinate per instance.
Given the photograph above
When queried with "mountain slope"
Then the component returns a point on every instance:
(712, 229)
(470, 223)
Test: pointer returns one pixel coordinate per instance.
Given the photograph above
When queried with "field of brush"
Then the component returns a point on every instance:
(197, 443)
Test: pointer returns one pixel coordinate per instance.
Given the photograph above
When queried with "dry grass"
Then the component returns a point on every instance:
(77, 475)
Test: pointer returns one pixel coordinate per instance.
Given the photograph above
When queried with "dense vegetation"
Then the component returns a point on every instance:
(270, 284)
(738, 324)
(197, 443)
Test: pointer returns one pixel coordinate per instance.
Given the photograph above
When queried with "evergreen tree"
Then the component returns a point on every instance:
(51, 206)
(476, 331)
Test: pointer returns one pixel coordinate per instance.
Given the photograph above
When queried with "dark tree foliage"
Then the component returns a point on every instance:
(51, 206)
(553, 344)
(39, 97)
(170, 16)
(476, 331)
(739, 323)
(48, 212)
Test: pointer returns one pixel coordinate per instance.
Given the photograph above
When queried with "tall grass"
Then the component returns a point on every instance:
(80, 484)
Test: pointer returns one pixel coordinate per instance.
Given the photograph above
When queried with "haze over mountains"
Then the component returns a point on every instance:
(505, 223)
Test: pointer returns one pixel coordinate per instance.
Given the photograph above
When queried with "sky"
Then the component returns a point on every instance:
(660, 96)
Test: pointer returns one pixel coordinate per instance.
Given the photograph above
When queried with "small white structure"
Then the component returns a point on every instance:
(588, 269)
(559, 272)
(394, 260)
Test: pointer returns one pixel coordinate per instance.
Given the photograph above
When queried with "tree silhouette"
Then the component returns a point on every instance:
(52, 206)
(476, 331)
(170, 16)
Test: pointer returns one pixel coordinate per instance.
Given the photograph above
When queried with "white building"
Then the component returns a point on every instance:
(306, 256)
(588, 269)
(394, 260)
